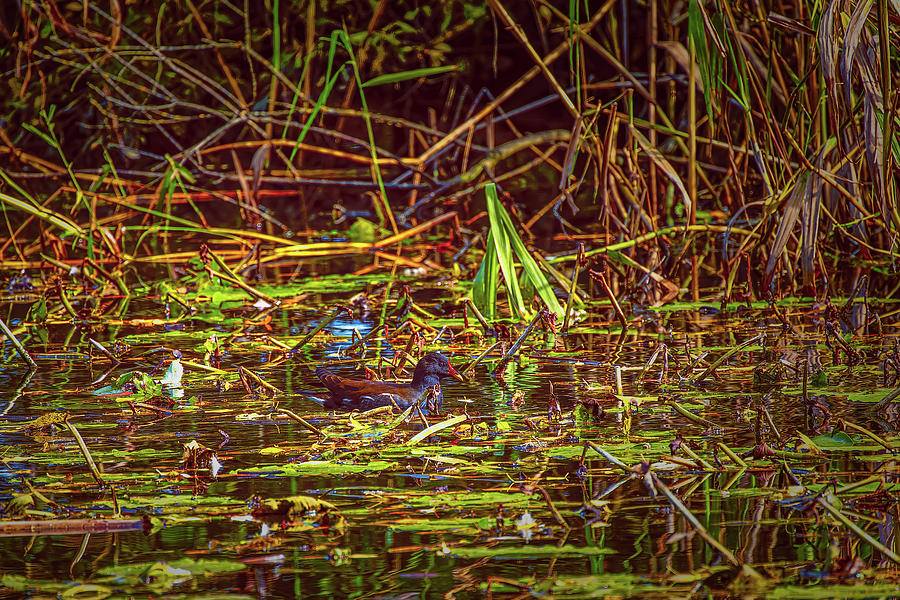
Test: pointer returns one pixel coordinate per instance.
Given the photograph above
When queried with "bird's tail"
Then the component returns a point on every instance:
(316, 399)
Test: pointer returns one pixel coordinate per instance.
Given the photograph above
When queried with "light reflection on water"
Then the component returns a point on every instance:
(378, 553)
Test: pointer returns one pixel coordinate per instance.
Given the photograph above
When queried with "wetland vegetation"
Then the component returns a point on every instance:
(658, 240)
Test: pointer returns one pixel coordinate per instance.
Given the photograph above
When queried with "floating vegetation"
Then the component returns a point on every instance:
(664, 269)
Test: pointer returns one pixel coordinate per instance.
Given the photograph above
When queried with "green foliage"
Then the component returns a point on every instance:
(707, 56)
(362, 230)
(32, 207)
(406, 75)
(503, 244)
(531, 550)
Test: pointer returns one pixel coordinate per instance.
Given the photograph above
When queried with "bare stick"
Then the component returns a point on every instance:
(18, 345)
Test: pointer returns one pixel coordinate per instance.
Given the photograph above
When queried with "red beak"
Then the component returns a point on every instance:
(454, 373)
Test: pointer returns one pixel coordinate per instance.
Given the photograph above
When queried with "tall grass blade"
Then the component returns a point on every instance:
(330, 81)
(385, 207)
(500, 221)
(788, 218)
(851, 41)
(43, 214)
(406, 75)
(484, 292)
(664, 165)
(503, 252)
(698, 25)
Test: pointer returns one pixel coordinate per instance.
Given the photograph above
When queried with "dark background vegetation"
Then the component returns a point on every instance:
(779, 162)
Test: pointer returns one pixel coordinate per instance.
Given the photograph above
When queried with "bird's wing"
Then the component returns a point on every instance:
(348, 388)
(328, 379)
(352, 389)
(383, 399)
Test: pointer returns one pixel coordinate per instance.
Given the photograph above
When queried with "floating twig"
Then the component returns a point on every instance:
(362, 340)
(732, 455)
(890, 397)
(598, 276)
(306, 424)
(337, 312)
(452, 421)
(231, 277)
(65, 301)
(103, 350)
(68, 527)
(703, 463)
(170, 295)
(518, 343)
(17, 345)
(609, 457)
(151, 407)
(660, 347)
(116, 281)
(686, 413)
(414, 230)
(86, 453)
(724, 357)
(852, 354)
(471, 304)
(771, 423)
(479, 358)
(866, 432)
(572, 291)
(245, 374)
(859, 531)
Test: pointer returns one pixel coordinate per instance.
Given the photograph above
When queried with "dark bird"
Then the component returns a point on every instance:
(362, 394)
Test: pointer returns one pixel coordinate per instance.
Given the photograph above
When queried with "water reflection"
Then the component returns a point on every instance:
(410, 531)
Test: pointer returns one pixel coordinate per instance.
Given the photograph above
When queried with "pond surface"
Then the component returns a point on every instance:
(510, 500)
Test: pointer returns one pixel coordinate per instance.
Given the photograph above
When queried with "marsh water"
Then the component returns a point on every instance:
(500, 504)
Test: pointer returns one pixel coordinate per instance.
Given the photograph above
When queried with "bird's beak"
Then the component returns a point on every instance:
(455, 374)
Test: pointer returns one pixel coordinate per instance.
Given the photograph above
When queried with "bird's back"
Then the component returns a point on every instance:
(353, 389)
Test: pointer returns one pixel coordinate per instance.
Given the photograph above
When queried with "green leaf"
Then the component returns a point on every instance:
(362, 230)
(484, 292)
(435, 428)
(39, 133)
(406, 75)
(504, 222)
(43, 214)
(502, 242)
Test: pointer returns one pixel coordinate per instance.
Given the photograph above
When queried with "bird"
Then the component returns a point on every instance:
(362, 394)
